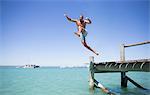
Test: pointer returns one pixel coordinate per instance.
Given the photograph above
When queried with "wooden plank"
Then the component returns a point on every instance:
(141, 43)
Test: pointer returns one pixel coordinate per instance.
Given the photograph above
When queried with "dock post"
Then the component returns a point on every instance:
(91, 73)
(124, 79)
(122, 53)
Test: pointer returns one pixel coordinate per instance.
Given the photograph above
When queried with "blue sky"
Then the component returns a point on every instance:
(36, 31)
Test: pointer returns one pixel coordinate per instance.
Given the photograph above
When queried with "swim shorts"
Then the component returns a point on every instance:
(83, 34)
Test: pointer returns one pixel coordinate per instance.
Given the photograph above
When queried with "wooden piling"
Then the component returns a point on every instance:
(124, 79)
(122, 53)
(91, 73)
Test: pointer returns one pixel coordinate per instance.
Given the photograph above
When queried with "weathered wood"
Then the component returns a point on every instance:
(129, 65)
(136, 44)
(123, 46)
(91, 73)
(122, 53)
(142, 65)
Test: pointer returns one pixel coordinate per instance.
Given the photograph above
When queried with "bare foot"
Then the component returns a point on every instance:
(97, 54)
(77, 34)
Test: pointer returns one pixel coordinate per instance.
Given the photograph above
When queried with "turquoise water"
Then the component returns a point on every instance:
(68, 81)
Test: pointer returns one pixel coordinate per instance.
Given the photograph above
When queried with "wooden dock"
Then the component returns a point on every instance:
(122, 66)
(130, 65)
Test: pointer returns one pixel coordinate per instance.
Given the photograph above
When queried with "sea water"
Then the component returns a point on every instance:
(66, 81)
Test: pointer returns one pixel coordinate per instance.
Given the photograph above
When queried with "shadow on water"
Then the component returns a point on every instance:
(121, 91)
(113, 82)
(129, 91)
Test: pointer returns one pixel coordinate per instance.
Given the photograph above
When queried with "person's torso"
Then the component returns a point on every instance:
(81, 24)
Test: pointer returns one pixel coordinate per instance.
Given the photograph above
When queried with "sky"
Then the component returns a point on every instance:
(36, 31)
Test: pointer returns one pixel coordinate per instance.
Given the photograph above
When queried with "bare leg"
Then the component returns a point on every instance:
(78, 32)
(84, 43)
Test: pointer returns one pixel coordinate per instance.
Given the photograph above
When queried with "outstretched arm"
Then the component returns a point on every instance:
(88, 21)
(72, 20)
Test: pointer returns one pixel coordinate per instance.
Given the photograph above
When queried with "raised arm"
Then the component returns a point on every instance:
(68, 18)
(88, 21)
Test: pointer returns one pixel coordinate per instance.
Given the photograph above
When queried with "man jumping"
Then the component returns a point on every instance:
(82, 33)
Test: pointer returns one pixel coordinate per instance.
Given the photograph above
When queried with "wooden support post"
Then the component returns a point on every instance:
(122, 53)
(124, 79)
(91, 73)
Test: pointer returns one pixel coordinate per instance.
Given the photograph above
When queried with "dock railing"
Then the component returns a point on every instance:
(123, 46)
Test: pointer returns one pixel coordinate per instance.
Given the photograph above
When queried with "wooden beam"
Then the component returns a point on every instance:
(136, 44)
(136, 84)
(129, 65)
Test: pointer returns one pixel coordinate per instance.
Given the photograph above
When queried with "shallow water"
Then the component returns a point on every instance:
(68, 81)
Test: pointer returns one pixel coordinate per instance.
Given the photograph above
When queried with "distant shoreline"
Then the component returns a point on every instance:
(46, 66)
